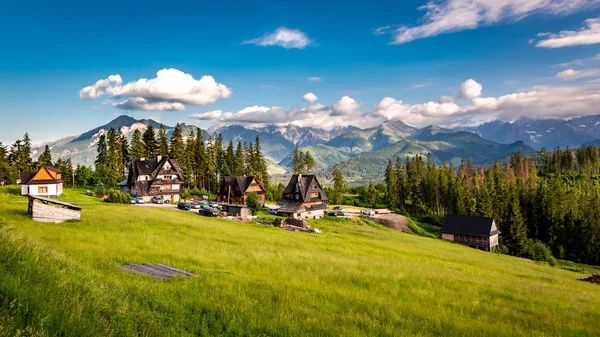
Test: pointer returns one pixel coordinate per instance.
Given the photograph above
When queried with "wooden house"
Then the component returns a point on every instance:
(235, 189)
(303, 198)
(156, 177)
(46, 182)
(474, 231)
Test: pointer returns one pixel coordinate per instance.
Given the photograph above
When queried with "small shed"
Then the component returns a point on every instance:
(236, 210)
(474, 231)
(47, 210)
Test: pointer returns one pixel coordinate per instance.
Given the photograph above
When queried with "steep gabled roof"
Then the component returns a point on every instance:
(304, 184)
(239, 184)
(27, 177)
(469, 225)
(151, 167)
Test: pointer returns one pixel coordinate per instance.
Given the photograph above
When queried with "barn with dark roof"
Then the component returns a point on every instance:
(475, 231)
(155, 177)
(303, 198)
(235, 189)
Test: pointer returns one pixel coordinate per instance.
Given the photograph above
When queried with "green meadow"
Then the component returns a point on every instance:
(354, 279)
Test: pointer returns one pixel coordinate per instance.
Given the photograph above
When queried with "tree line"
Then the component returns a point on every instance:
(551, 197)
(203, 158)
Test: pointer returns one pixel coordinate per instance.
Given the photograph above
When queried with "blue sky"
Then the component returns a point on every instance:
(392, 59)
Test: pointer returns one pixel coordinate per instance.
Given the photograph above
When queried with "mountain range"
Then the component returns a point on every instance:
(363, 153)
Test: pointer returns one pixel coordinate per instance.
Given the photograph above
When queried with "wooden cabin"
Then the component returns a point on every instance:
(156, 177)
(303, 198)
(46, 182)
(474, 231)
(235, 189)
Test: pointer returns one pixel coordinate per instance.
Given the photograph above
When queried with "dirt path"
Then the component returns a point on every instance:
(393, 221)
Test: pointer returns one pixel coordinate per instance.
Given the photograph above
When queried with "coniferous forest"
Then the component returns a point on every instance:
(551, 198)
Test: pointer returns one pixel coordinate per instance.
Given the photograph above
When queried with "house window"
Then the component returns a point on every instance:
(43, 189)
(314, 186)
(314, 195)
(168, 178)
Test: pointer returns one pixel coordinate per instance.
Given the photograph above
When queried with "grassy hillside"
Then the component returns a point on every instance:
(355, 279)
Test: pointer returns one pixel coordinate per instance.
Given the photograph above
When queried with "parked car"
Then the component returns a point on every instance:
(137, 200)
(331, 213)
(195, 205)
(213, 204)
(369, 212)
(273, 211)
(337, 208)
(209, 212)
(158, 200)
(340, 213)
(184, 206)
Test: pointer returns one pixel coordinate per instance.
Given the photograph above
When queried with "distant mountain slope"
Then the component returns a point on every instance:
(549, 133)
(323, 155)
(359, 141)
(444, 147)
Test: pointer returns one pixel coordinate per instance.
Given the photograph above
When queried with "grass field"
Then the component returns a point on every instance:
(355, 279)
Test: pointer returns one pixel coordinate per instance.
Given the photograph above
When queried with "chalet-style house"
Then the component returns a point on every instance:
(156, 177)
(303, 198)
(46, 182)
(235, 189)
(474, 231)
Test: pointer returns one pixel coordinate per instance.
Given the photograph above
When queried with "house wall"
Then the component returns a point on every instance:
(493, 241)
(54, 190)
(448, 236)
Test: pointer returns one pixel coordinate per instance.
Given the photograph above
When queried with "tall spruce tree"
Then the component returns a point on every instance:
(339, 185)
(45, 158)
(150, 142)
(5, 169)
(309, 162)
(239, 162)
(137, 149)
(163, 142)
(260, 164)
(177, 146)
(229, 165)
(101, 172)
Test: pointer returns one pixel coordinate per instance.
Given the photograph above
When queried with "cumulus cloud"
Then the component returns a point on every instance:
(571, 74)
(314, 79)
(470, 89)
(346, 106)
(283, 37)
(590, 34)
(536, 102)
(310, 97)
(447, 16)
(171, 89)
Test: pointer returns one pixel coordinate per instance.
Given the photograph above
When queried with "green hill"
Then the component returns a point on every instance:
(355, 279)
(323, 155)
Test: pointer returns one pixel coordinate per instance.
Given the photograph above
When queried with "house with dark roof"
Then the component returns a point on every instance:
(303, 198)
(46, 182)
(474, 231)
(235, 189)
(156, 177)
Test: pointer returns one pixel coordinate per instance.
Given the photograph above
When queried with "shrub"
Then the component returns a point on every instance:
(118, 197)
(252, 202)
(100, 190)
(538, 251)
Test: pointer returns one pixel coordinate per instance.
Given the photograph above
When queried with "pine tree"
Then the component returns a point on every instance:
(239, 163)
(260, 164)
(515, 237)
(309, 162)
(339, 185)
(114, 162)
(163, 143)
(5, 169)
(177, 147)
(101, 173)
(229, 165)
(297, 161)
(391, 183)
(45, 158)
(219, 157)
(137, 149)
(125, 156)
(150, 142)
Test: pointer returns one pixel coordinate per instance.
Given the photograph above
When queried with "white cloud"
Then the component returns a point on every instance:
(346, 106)
(447, 16)
(314, 79)
(310, 97)
(590, 34)
(171, 89)
(470, 89)
(536, 102)
(580, 62)
(570, 74)
(283, 37)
